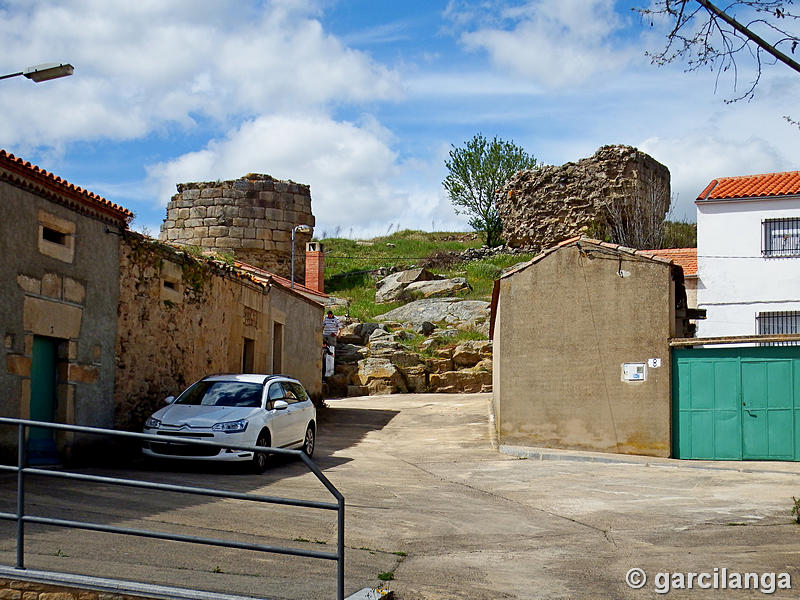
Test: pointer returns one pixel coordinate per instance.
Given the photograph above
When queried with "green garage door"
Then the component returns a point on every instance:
(736, 403)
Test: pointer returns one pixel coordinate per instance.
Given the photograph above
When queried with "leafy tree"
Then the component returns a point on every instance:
(476, 170)
(705, 35)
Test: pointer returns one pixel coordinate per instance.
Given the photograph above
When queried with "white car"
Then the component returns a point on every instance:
(243, 410)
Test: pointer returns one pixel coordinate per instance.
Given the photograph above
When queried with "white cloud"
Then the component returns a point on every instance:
(555, 43)
(142, 65)
(357, 182)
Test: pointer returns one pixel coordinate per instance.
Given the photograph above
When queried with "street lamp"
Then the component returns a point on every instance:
(44, 72)
(301, 229)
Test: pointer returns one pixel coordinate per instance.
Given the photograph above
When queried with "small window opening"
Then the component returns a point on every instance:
(53, 236)
(170, 285)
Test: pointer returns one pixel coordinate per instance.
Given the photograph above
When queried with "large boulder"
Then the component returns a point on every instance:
(448, 310)
(470, 353)
(436, 289)
(380, 376)
(390, 289)
(349, 353)
(456, 382)
(416, 378)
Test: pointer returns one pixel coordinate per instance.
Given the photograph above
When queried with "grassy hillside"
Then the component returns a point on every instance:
(347, 263)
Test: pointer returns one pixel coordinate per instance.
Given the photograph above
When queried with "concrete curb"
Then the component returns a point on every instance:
(535, 453)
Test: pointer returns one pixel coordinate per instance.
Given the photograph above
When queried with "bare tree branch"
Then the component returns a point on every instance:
(706, 35)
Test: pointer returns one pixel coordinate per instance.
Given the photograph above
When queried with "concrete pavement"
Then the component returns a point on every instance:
(432, 503)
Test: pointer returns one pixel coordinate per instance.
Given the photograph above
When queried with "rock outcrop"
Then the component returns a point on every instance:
(541, 207)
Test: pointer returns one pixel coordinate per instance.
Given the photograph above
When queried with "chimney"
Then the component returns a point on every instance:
(315, 266)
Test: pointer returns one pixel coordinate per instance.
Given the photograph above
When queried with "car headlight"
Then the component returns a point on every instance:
(152, 423)
(230, 426)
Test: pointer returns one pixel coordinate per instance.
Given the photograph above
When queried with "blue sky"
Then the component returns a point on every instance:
(362, 99)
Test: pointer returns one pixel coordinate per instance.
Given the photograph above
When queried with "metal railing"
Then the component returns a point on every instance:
(780, 237)
(22, 518)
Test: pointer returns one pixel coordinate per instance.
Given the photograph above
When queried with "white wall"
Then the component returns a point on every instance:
(734, 281)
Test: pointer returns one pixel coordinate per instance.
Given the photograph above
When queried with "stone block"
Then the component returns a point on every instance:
(16, 364)
(184, 204)
(56, 596)
(168, 224)
(82, 373)
(193, 223)
(228, 243)
(211, 193)
(197, 212)
(208, 242)
(242, 222)
(199, 233)
(274, 215)
(260, 223)
(250, 233)
(236, 232)
(218, 231)
(172, 214)
(30, 595)
(172, 234)
(183, 213)
(253, 244)
(281, 236)
(29, 284)
(12, 595)
(74, 291)
(51, 285)
(192, 194)
(214, 211)
(269, 245)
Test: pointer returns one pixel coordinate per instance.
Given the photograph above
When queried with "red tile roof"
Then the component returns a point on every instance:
(768, 185)
(282, 281)
(685, 257)
(29, 176)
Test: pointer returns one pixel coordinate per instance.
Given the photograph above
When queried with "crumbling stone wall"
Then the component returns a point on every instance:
(541, 207)
(251, 217)
(181, 318)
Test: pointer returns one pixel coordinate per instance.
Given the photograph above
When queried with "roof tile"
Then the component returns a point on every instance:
(768, 185)
(685, 257)
(52, 183)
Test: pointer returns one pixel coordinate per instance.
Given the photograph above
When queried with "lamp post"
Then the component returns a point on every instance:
(44, 72)
(301, 229)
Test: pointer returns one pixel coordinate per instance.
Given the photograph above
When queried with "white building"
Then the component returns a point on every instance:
(748, 247)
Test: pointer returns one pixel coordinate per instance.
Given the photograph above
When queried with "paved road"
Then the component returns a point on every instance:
(432, 501)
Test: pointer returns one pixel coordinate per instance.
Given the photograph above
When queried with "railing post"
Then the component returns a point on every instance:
(20, 496)
(340, 552)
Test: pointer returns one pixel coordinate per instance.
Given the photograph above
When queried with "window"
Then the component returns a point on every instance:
(778, 322)
(248, 355)
(781, 237)
(56, 237)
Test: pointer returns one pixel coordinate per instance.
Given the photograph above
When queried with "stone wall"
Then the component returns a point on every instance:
(541, 207)
(27, 589)
(182, 318)
(251, 217)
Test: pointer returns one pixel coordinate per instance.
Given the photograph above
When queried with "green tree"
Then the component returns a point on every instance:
(476, 170)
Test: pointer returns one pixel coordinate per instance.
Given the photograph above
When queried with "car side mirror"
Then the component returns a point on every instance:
(280, 405)
(169, 399)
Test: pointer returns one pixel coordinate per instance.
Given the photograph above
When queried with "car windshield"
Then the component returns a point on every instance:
(222, 393)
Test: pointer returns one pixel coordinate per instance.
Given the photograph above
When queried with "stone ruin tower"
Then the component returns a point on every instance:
(617, 189)
(251, 217)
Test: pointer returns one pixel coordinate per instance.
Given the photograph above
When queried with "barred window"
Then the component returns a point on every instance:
(778, 322)
(780, 237)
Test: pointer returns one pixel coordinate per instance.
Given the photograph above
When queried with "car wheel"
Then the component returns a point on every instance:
(261, 459)
(308, 442)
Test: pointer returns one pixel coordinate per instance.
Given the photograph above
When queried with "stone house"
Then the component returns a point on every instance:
(100, 323)
(59, 292)
(581, 348)
(182, 317)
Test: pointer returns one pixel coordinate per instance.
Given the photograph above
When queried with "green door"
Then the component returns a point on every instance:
(41, 442)
(736, 403)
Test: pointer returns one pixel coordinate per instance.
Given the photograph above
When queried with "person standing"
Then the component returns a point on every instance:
(330, 329)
